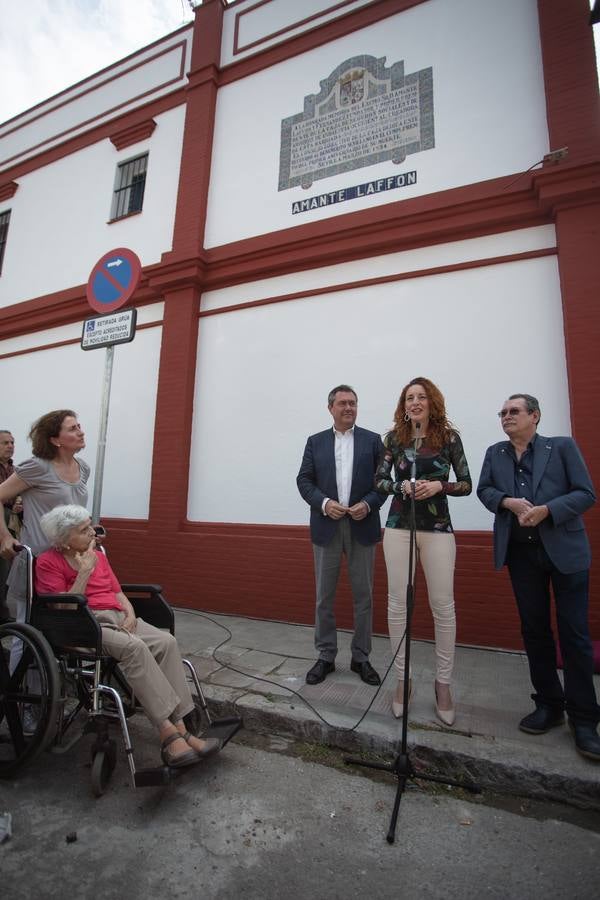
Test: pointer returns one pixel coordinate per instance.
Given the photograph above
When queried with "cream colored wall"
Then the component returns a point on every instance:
(263, 373)
(59, 224)
(489, 102)
(71, 378)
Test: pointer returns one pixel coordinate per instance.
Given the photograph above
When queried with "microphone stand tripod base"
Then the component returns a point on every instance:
(404, 770)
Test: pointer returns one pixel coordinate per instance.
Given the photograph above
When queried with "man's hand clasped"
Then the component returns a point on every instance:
(336, 510)
(527, 514)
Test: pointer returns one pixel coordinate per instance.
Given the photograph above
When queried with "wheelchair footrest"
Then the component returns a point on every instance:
(224, 729)
(154, 777)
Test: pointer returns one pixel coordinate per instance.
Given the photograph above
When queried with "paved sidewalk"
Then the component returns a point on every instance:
(491, 691)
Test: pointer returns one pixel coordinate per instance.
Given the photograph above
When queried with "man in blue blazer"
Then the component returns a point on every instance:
(538, 488)
(337, 480)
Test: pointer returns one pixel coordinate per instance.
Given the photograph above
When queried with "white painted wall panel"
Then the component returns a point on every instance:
(68, 377)
(483, 78)
(145, 314)
(152, 72)
(261, 25)
(263, 376)
(59, 215)
(488, 247)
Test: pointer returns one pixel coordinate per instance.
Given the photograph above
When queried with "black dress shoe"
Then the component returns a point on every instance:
(366, 671)
(319, 671)
(541, 720)
(587, 741)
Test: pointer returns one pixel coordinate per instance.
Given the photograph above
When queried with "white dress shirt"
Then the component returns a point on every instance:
(344, 460)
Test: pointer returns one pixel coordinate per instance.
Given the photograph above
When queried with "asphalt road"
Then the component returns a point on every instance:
(256, 823)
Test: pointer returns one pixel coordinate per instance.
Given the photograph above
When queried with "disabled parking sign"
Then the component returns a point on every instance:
(113, 280)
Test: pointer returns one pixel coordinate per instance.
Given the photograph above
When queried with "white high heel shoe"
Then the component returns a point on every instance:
(446, 716)
(398, 708)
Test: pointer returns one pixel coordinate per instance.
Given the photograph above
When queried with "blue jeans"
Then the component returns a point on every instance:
(531, 573)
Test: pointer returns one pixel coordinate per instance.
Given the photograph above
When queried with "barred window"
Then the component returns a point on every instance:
(129, 187)
(4, 220)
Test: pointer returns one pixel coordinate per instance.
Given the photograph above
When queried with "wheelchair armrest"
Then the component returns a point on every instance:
(150, 605)
(65, 620)
(150, 588)
(52, 600)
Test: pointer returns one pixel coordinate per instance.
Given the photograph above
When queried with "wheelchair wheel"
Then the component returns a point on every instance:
(103, 764)
(29, 697)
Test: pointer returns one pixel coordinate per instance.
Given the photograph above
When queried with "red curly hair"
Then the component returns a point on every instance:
(440, 427)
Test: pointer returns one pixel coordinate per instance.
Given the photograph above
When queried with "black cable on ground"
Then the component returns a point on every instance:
(195, 612)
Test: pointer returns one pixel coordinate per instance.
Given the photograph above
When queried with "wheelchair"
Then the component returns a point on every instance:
(62, 673)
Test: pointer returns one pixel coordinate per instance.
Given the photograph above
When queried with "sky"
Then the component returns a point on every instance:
(48, 45)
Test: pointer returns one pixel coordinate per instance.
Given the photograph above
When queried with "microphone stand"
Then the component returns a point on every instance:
(402, 766)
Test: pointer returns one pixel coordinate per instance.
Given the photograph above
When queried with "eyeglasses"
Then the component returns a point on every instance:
(513, 411)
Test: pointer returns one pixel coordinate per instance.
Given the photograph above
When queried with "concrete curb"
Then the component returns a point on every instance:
(481, 760)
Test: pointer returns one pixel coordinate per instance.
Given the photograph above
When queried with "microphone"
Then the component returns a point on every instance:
(413, 468)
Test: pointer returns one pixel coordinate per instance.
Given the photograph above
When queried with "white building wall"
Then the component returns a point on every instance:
(249, 27)
(484, 77)
(151, 73)
(60, 213)
(406, 261)
(68, 377)
(264, 373)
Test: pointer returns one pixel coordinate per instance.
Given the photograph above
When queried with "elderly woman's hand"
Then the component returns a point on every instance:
(85, 562)
(130, 620)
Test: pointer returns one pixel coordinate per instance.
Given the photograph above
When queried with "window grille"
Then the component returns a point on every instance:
(129, 187)
(4, 220)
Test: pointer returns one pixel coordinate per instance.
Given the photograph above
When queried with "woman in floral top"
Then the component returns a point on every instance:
(420, 423)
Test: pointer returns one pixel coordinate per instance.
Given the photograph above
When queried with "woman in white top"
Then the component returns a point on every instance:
(53, 476)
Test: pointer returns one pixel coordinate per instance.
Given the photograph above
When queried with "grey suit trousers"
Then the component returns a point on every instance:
(328, 560)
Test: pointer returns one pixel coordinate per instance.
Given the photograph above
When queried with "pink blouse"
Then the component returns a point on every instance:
(54, 575)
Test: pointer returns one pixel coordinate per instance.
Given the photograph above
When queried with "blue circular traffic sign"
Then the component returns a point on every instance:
(113, 280)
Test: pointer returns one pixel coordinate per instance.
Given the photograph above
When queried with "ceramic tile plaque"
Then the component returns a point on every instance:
(365, 113)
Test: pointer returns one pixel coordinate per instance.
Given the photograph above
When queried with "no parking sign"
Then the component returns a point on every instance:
(113, 280)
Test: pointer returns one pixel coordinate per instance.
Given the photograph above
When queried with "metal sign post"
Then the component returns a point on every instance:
(99, 478)
(112, 282)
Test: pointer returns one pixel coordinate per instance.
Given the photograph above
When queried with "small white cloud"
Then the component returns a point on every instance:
(48, 45)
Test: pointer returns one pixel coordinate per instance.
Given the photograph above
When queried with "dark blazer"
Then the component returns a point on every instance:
(316, 480)
(561, 481)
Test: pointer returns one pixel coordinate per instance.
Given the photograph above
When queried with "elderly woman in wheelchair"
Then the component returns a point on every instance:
(148, 657)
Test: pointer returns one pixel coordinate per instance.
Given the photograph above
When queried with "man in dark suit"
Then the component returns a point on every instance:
(337, 480)
(538, 488)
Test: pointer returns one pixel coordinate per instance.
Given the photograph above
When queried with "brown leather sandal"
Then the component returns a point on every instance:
(189, 758)
(211, 745)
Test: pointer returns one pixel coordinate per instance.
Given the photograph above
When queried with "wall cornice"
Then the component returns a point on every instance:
(7, 190)
(133, 134)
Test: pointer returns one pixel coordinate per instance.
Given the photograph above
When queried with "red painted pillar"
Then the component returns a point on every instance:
(174, 409)
(179, 280)
(572, 190)
(196, 154)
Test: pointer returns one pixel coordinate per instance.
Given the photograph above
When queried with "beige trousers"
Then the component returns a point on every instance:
(151, 662)
(437, 553)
